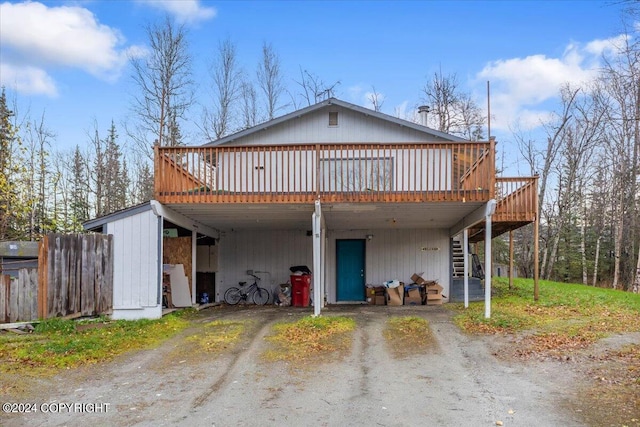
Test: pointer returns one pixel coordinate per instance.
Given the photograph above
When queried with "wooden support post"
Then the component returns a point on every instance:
(536, 233)
(156, 171)
(43, 277)
(536, 261)
(510, 259)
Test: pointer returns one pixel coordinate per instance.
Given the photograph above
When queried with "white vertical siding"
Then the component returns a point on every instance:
(397, 169)
(272, 251)
(390, 254)
(396, 254)
(135, 276)
(352, 127)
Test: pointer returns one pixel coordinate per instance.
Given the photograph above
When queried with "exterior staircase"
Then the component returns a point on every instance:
(458, 259)
(476, 285)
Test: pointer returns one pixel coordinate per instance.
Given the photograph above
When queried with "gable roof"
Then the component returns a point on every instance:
(327, 103)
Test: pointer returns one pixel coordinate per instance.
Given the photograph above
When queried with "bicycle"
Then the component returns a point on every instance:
(259, 295)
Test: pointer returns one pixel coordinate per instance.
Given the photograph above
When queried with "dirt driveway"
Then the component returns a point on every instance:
(459, 382)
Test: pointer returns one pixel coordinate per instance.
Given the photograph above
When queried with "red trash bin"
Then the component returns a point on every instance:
(300, 286)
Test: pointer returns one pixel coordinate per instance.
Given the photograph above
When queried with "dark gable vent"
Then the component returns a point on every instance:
(333, 118)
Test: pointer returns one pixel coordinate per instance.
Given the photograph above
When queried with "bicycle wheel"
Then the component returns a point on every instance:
(260, 296)
(232, 296)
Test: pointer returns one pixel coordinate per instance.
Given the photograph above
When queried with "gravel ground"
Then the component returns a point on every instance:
(458, 382)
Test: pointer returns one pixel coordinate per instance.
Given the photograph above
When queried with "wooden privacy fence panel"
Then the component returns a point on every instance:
(76, 275)
(19, 296)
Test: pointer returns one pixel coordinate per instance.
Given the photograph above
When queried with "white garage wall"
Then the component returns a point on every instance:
(396, 254)
(390, 254)
(261, 250)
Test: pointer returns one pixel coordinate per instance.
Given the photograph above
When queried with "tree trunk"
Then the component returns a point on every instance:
(636, 282)
(552, 256)
(595, 262)
(583, 250)
(618, 243)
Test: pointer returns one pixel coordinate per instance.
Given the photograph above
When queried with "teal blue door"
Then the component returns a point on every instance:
(350, 269)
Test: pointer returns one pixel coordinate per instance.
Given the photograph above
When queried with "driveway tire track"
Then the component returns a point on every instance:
(236, 364)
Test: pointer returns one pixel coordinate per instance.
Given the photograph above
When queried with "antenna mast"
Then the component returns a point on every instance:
(488, 110)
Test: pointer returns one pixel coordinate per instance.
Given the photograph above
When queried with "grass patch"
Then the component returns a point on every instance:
(408, 335)
(566, 317)
(218, 335)
(57, 344)
(310, 337)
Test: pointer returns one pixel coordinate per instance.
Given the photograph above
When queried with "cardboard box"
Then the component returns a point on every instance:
(413, 300)
(434, 301)
(434, 287)
(395, 296)
(417, 279)
(413, 293)
(381, 300)
(370, 296)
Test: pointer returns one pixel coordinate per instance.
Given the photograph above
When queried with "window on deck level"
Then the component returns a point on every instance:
(357, 174)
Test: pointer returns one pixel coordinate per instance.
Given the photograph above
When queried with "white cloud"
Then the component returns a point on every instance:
(185, 11)
(599, 47)
(520, 86)
(34, 37)
(28, 80)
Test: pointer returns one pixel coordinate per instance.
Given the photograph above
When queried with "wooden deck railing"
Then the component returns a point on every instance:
(332, 172)
(516, 199)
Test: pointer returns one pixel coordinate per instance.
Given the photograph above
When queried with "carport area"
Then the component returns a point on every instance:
(346, 245)
(458, 381)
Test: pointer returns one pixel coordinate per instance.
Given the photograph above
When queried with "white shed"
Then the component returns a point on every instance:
(137, 276)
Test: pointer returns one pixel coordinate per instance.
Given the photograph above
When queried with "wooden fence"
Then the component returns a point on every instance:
(74, 278)
(19, 296)
(75, 275)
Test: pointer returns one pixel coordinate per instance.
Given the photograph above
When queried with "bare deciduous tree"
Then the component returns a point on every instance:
(226, 77)
(270, 80)
(163, 78)
(452, 110)
(314, 89)
(621, 80)
(376, 99)
(249, 105)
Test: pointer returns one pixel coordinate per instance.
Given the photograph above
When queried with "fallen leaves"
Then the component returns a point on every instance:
(310, 337)
(408, 335)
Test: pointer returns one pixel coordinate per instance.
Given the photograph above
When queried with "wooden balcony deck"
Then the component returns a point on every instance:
(346, 173)
(517, 206)
(394, 173)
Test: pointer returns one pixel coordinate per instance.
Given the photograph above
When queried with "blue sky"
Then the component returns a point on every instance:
(68, 59)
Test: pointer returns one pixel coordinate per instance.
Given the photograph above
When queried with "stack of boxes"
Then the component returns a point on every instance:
(376, 295)
(434, 293)
(431, 291)
(420, 292)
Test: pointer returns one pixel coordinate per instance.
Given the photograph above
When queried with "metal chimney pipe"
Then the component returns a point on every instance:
(423, 110)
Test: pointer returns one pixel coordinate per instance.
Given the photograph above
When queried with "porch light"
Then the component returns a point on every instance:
(369, 236)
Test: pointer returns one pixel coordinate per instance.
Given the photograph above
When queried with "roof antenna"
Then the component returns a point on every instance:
(488, 110)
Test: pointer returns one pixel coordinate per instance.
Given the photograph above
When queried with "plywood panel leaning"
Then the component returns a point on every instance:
(177, 250)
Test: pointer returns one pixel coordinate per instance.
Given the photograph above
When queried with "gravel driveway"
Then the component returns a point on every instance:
(458, 382)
